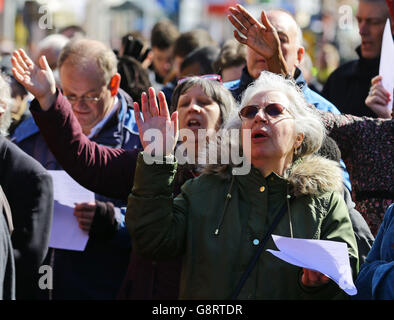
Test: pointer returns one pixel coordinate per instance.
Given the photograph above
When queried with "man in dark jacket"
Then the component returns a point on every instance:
(89, 79)
(29, 191)
(348, 86)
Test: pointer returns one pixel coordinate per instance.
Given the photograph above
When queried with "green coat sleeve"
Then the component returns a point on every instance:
(335, 226)
(156, 222)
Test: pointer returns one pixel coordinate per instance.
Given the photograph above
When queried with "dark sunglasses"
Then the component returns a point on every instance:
(212, 77)
(272, 110)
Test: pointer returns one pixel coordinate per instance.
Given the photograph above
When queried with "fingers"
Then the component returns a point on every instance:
(266, 23)
(17, 70)
(20, 61)
(84, 213)
(239, 38)
(376, 100)
(247, 16)
(85, 224)
(163, 105)
(26, 58)
(237, 25)
(154, 110)
(137, 114)
(44, 63)
(376, 80)
(312, 278)
(175, 122)
(378, 90)
(240, 17)
(145, 106)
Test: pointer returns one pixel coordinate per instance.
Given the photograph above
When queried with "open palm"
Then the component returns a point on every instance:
(156, 124)
(38, 80)
(261, 37)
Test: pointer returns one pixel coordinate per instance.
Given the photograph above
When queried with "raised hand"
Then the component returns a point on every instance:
(261, 37)
(378, 98)
(38, 80)
(165, 131)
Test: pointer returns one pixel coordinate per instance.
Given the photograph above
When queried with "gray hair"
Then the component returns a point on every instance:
(5, 103)
(55, 42)
(82, 51)
(213, 89)
(307, 120)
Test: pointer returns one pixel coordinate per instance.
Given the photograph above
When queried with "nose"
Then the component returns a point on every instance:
(194, 106)
(363, 28)
(261, 116)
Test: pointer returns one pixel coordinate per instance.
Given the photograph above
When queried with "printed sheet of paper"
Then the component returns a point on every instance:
(65, 232)
(386, 69)
(328, 257)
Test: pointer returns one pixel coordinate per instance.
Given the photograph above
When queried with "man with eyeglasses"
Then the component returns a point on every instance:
(90, 84)
(348, 86)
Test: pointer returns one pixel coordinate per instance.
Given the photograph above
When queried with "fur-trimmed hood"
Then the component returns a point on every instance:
(309, 175)
(314, 175)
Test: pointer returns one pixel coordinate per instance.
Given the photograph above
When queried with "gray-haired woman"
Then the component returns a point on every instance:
(218, 219)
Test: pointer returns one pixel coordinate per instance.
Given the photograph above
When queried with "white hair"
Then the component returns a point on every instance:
(307, 120)
(55, 42)
(5, 103)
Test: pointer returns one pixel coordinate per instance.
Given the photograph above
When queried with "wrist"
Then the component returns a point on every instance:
(47, 101)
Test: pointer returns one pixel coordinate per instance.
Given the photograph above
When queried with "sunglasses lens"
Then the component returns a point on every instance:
(249, 112)
(274, 109)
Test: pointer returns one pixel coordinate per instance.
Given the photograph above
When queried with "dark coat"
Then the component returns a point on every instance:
(29, 190)
(348, 86)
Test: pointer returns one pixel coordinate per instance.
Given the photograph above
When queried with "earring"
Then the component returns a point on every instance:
(297, 151)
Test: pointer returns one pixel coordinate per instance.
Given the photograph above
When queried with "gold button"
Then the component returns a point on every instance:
(262, 189)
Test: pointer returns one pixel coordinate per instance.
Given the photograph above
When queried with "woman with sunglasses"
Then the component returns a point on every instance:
(219, 219)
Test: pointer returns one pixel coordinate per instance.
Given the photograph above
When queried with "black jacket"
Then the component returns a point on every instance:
(348, 86)
(29, 190)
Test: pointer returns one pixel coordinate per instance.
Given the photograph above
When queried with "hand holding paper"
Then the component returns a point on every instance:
(386, 61)
(328, 257)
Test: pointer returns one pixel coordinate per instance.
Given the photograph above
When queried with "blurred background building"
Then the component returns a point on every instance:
(328, 25)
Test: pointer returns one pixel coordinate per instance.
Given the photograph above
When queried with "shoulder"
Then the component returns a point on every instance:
(346, 69)
(319, 102)
(26, 129)
(232, 85)
(127, 113)
(18, 164)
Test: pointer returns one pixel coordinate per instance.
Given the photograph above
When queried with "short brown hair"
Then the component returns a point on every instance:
(164, 34)
(231, 54)
(81, 52)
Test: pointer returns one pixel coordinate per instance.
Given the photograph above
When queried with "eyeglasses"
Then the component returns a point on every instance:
(272, 110)
(74, 99)
(212, 77)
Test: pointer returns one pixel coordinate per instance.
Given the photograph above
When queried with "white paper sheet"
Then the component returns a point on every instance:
(328, 257)
(386, 69)
(65, 232)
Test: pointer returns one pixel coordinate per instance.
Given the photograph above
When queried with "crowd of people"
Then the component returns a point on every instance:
(176, 215)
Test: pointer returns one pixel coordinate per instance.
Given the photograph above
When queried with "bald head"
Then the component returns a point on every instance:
(290, 36)
(85, 52)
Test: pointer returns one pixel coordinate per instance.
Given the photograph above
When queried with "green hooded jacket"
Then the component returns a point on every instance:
(216, 220)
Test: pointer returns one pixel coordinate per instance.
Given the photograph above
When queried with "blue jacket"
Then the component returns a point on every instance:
(237, 87)
(376, 277)
(97, 272)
